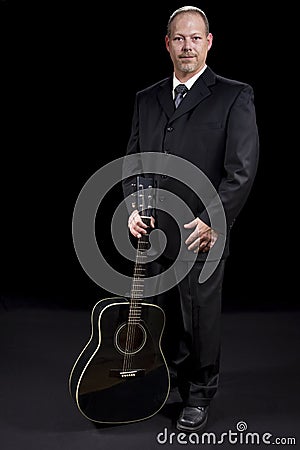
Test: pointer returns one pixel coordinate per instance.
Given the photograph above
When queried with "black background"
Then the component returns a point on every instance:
(69, 73)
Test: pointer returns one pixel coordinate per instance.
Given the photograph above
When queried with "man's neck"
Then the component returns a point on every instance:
(185, 77)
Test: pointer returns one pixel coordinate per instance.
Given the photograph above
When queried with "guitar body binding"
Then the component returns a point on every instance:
(121, 375)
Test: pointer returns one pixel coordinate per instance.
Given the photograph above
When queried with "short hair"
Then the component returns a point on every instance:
(188, 9)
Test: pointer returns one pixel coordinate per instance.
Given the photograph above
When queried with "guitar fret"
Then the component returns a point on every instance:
(139, 274)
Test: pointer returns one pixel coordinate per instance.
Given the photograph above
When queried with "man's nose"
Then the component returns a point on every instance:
(187, 45)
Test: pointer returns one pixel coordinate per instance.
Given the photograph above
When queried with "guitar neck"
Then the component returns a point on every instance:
(137, 289)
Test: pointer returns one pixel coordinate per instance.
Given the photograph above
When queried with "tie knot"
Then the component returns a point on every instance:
(181, 89)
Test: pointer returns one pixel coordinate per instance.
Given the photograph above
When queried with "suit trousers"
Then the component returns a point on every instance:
(191, 338)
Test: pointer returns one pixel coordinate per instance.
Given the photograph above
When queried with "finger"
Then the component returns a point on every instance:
(139, 229)
(141, 224)
(194, 245)
(204, 247)
(206, 243)
(135, 233)
(192, 237)
(136, 221)
(133, 215)
(214, 237)
(202, 244)
(191, 224)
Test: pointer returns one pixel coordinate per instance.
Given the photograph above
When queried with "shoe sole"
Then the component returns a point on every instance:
(191, 429)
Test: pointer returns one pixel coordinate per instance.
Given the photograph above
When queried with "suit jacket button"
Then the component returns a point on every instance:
(170, 129)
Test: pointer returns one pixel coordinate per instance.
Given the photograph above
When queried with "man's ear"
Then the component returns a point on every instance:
(209, 41)
(167, 42)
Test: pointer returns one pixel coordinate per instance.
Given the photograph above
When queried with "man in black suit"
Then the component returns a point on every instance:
(214, 128)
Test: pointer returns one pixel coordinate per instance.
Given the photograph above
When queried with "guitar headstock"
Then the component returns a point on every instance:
(142, 197)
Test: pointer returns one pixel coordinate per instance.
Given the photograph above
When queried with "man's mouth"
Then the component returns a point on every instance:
(186, 56)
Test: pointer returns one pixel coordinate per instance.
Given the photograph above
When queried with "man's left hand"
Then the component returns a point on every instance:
(202, 238)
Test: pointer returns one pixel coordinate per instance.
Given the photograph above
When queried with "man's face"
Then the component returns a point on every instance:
(188, 44)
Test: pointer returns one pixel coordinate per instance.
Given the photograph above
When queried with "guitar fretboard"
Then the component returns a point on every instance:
(137, 289)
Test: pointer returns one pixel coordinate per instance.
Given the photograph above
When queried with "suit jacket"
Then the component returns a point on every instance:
(215, 129)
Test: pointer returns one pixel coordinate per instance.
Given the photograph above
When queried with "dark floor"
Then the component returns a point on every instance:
(259, 384)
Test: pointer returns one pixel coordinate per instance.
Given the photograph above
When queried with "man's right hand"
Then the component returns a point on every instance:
(136, 226)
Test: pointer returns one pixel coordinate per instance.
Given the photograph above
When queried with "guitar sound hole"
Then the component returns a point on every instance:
(130, 340)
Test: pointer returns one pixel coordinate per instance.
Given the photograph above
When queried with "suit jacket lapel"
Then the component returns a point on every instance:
(165, 97)
(199, 91)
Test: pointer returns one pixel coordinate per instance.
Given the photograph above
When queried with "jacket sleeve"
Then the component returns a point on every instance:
(130, 166)
(241, 158)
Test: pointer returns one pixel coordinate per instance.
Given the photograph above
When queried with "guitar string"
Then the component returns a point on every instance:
(129, 336)
(126, 358)
(131, 327)
(135, 309)
(134, 316)
(136, 304)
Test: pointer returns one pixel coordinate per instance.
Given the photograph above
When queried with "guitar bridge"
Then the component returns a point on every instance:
(133, 373)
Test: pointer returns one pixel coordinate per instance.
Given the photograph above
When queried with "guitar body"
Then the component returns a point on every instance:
(121, 375)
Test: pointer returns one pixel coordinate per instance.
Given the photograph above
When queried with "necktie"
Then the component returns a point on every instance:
(180, 90)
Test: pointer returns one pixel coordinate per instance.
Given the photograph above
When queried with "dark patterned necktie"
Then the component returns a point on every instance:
(180, 90)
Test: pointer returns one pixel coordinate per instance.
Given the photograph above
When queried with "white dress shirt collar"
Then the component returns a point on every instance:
(189, 83)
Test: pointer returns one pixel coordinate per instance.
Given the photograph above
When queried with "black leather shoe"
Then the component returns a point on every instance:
(192, 418)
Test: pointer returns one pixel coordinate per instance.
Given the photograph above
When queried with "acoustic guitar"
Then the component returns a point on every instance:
(121, 375)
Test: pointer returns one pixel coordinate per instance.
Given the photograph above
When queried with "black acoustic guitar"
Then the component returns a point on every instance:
(121, 375)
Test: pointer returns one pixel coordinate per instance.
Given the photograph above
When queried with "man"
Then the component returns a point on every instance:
(211, 123)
